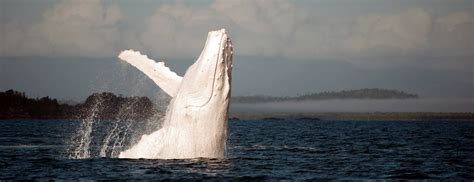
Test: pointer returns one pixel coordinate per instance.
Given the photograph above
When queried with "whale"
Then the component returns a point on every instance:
(195, 123)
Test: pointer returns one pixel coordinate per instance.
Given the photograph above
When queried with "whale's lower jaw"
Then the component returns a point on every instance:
(196, 121)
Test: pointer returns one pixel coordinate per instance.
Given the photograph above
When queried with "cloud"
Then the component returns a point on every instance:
(454, 32)
(286, 29)
(70, 28)
(178, 30)
(403, 32)
(268, 28)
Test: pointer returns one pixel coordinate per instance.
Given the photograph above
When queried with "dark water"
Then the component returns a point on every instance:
(273, 150)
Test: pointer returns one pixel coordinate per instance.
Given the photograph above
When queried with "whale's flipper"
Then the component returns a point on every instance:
(166, 79)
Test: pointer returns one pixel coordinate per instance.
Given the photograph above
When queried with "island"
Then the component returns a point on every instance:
(109, 106)
(366, 93)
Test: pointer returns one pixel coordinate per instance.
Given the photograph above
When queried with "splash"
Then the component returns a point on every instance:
(82, 151)
(98, 137)
(195, 124)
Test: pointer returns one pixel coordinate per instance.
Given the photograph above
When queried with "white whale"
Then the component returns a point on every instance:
(196, 119)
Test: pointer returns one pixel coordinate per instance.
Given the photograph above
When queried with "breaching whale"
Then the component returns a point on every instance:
(195, 124)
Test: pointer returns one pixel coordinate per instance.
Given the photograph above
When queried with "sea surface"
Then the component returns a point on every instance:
(259, 150)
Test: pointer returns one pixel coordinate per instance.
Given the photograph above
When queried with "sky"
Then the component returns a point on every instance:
(67, 48)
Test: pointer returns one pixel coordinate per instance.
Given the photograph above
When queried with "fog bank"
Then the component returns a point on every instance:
(357, 105)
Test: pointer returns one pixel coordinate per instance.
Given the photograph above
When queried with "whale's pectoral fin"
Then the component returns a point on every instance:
(166, 79)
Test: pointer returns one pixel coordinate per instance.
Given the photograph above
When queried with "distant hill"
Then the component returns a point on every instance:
(108, 106)
(16, 105)
(367, 93)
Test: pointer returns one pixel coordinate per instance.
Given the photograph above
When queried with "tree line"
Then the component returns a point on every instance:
(366, 93)
(106, 105)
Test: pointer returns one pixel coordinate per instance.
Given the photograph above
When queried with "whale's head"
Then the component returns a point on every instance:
(208, 80)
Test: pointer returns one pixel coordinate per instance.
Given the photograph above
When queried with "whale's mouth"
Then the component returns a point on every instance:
(200, 79)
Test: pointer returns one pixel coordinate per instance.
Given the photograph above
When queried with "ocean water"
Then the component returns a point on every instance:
(261, 150)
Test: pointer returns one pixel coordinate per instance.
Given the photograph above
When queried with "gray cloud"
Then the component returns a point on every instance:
(69, 28)
(455, 33)
(403, 32)
(286, 29)
(259, 28)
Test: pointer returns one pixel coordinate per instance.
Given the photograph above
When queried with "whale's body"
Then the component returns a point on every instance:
(195, 124)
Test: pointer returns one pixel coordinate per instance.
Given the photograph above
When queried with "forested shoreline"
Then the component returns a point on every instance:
(16, 105)
(366, 93)
(108, 106)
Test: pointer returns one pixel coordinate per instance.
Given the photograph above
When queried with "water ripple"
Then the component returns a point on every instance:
(280, 150)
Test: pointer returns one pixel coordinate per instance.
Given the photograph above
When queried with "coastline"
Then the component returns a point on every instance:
(319, 116)
(360, 116)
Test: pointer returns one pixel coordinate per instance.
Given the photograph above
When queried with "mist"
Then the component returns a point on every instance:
(358, 105)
